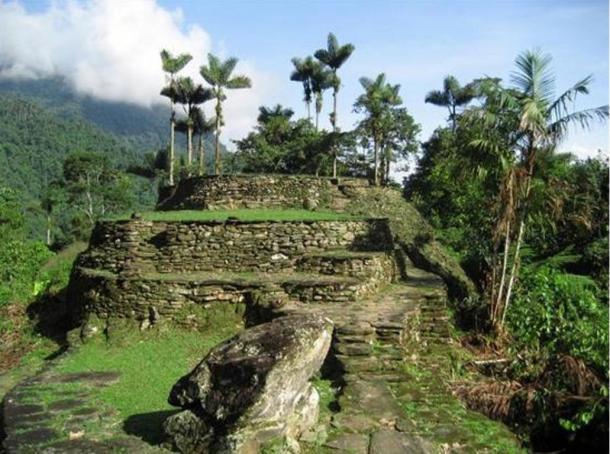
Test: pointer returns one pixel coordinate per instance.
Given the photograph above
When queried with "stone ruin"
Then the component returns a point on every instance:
(304, 288)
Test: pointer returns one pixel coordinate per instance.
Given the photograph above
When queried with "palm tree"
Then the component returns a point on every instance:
(538, 122)
(303, 70)
(334, 56)
(202, 127)
(321, 79)
(267, 113)
(452, 96)
(172, 65)
(191, 95)
(218, 74)
(377, 99)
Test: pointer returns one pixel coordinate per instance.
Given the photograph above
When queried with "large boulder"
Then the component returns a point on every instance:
(251, 388)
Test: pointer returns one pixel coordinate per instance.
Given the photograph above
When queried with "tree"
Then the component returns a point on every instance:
(452, 96)
(321, 79)
(535, 123)
(203, 127)
(267, 113)
(303, 70)
(219, 75)
(399, 138)
(191, 96)
(375, 102)
(94, 187)
(334, 56)
(172, 65)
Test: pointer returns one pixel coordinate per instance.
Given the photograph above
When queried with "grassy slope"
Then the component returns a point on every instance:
(243, 215)
(149, 364)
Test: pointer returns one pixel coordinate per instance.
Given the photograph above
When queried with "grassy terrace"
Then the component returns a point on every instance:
(248, 215)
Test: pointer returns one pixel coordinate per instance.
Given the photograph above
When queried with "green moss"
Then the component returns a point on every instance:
(246, 215)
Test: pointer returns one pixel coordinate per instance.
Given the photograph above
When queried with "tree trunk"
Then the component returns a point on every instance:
(335, 130)
(514, 271)
(376, 158)
(201, 156)
(172, 135)
(317, 117)
(498, 302)
(189, 137)
(308, 110)
(217, 164)
(48, 230)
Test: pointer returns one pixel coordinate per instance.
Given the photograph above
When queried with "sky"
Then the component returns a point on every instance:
(109, 48)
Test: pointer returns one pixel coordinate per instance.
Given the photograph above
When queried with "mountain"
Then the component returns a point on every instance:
(43, 120)
(145, 128)
(34, 143)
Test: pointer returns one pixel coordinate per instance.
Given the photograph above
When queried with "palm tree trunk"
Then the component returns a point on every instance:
(172, 139)
(335, 130)
(498, 300)
(201, 156)
(514, 271)
(317, 117)
(217, 164)
(376, 158)
(190, 146)
(308, 103)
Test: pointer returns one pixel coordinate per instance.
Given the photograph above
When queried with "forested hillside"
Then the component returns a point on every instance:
(140, 126)
(34, 143)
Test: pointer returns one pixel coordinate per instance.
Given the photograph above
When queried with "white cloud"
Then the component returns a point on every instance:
(110, 49)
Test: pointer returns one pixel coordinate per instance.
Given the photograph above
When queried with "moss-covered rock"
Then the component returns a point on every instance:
(251, 388)
(414, 235)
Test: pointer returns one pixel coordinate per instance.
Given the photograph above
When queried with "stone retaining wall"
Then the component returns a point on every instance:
(253, 191)
(160, 297)
(136, 246)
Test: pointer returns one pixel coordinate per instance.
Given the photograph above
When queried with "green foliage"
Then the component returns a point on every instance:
(279, 145)
(20, 261)
(20, 258)
(560, 313)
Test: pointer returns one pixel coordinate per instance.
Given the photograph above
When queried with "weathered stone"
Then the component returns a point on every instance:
(389, 441)
(349, 443)
(253, 387)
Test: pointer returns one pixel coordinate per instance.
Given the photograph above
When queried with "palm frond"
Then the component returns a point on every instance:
(560, 107)
(239, 82)
(582, 118)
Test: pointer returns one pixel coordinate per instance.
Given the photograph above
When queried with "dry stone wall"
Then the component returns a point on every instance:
(137, 247)
(147, 270)
(253, 191)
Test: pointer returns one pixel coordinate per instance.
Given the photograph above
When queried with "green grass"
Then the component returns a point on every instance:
(246, 215)
(149, 365)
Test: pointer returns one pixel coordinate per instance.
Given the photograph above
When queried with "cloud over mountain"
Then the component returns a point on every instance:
(109, 49)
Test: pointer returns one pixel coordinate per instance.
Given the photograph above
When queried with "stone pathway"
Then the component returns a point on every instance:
(377, 389)
(54, 413)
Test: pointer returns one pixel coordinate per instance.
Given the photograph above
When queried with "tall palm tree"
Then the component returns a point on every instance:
(277, 111)
(452, 96)
(321, 79)
(377, 99)
(303, 70)
(202, 127)
(191, 96)
(538, 122)
(172, 65)
(218, 74)
(334, 56)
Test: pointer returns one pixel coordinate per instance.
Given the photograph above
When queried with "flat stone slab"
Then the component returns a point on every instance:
(393, 442)
(354, 423)
(66, 404)
(350, 443)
